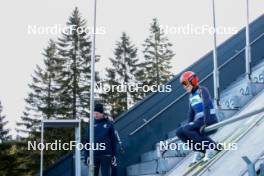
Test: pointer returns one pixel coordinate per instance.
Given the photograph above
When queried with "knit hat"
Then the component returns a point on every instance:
(99, 108)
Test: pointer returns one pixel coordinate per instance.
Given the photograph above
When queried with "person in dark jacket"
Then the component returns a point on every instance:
(120, 150)
(104, 134)
(201, 114)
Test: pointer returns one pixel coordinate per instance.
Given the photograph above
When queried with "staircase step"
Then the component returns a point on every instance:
(172, 133)
(149, 167)
(176, 153)
(149, 156)
(153, 155)
(151, 175)
(168, 163)
(238, 94)
(155, 167)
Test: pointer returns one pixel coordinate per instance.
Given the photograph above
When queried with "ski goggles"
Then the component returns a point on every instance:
(185, 83)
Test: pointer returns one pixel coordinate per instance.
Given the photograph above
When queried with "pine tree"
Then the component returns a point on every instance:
(158, 55)
(74, 80)
(4, 133)
(124, 67)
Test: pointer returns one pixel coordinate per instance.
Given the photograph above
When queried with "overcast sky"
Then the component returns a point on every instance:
(21, 50)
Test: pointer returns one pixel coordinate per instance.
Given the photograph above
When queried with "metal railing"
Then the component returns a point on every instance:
(173, 102)
(224, 122)
(255, 166)
(234, 119)
(250, 166)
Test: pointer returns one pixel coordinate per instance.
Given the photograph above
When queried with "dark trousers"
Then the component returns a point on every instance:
(114, 170)
(103, 163)
(190, 132)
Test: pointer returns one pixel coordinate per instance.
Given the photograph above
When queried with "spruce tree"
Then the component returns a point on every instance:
(58, 90)
(157, 57)
(112, 98)
(122, 72)
(74, 80)
(4, 132)
(41, 102)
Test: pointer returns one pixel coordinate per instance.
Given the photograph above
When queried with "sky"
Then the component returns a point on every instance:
(21, 49)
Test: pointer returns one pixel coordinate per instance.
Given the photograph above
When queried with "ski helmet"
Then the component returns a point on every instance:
(189, 77)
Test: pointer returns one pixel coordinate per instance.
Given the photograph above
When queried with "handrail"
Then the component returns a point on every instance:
(239, 52)
(234, 119)
(224, 122)
(168, 106)
(254, 162)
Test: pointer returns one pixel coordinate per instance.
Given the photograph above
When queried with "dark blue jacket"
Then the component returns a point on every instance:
(201, 102)
(104, 132)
